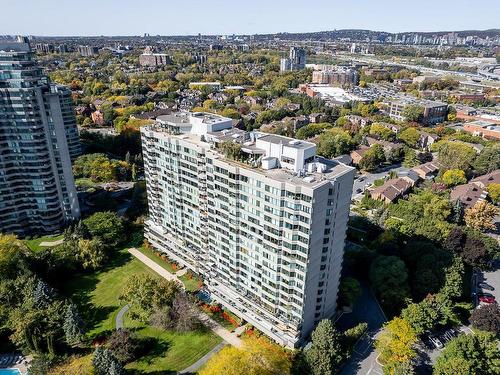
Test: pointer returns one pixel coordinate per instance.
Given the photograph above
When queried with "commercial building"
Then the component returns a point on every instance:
(295, 61)
(485, 129)
(38, 139)
(88, 51)
(150, 58)
(432, 112)
(338, 77)
(259, 216)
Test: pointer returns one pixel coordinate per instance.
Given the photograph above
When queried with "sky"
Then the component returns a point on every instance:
(218, 17)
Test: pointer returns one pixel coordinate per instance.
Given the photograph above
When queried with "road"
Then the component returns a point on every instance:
(366, 309)
(369, 178)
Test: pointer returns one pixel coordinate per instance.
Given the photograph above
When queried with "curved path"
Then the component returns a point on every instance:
(119, 316)
(218, 329)
(195, 366)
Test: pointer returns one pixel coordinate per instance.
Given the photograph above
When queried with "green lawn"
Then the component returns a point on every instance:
(191, 285)
(34, 244)
(173, 351)
(152, 255)
(98, 293)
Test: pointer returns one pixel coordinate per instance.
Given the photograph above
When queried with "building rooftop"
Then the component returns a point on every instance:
(286, 141)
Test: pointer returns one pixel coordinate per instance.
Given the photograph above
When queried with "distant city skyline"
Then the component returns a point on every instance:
(222, 17)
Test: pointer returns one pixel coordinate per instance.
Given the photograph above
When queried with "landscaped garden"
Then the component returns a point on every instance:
(34, 243)
(98, 295)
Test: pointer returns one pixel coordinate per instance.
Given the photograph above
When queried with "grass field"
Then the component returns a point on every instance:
(98, 297)
(173, 351)
(34, 244)
(191, 285)
(98, 293)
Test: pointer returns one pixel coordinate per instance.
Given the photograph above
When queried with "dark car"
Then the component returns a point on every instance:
(485, 286)
(359, 191)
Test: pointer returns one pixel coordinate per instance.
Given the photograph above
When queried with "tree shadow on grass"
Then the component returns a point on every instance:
(80, 287)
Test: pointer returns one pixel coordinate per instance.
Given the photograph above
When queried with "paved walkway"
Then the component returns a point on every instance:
(52, 243)
(119, 316)
(204, 318)
(196, 366)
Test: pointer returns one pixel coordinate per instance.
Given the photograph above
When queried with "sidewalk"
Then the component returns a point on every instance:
(219, 330)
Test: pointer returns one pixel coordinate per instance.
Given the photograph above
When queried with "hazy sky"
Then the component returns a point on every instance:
(180, 17)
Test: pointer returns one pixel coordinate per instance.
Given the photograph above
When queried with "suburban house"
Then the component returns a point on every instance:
(359, 120)
(468, 194)
(487, 179)
(427, 170)
(391, 190)
(358, 154)
(426, 140)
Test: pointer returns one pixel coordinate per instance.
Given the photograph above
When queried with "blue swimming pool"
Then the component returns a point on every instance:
(9, 371)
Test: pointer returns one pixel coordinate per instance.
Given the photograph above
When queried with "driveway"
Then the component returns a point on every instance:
(489, 277)
(369, 178)
(364, 357)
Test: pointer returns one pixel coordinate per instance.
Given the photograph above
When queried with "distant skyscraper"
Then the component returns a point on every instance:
(38, 139)
(295, 61)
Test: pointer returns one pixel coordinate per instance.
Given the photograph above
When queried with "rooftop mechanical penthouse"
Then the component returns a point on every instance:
(259, 216)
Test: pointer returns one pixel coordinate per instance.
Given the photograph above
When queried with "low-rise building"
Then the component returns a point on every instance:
(469, 194)
(358, 154)
(487, 179)
(427, 170)
(426, 140)
(485, 129)
(97, 118)
(391, 190)
(432, 112)
(338, 77)
(359, 120)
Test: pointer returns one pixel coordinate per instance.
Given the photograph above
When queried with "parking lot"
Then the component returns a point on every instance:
(491, 278)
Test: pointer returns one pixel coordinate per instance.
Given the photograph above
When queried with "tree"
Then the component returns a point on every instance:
(334, 142)
(389, 278)
(381, 131)
(90, 253)
(494, 192)
(396, 342)
(410, 159)
(488, 160)
(486, 318)
(410, 136)
(469, 354)
(124, 344)
(145, 294)
(350, 290)
(372, 158)
(413, 113)
(311, 130)
(257, 357)
(422, 316)
(481, 216)
(453, 177)
(326, 352)
(107, 227)
(183, 314)
(73, 326)
(454, 155)
(105, 363)
(457, 212)
(12, 256)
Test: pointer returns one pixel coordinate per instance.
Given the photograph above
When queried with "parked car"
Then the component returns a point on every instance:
(485, 286)
(361, 179)
(487, 299)
(437, 343)
(358, 190)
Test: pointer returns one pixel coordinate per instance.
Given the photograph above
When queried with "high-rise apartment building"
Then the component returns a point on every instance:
(38, 139)
(261, 217)
(339, 77)
(295, 61)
